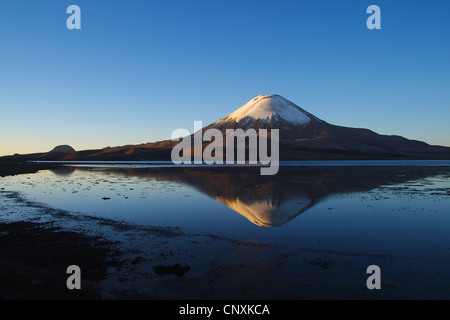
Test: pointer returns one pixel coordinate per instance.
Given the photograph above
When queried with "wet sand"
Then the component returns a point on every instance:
(126, 261)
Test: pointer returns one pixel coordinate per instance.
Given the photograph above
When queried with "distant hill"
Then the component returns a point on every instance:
(63, 149)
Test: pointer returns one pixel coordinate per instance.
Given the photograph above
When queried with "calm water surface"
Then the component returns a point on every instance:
(364, 210)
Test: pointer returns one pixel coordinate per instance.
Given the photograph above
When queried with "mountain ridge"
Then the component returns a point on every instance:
(303, 136)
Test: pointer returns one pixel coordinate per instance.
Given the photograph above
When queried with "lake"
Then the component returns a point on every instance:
(367, 208)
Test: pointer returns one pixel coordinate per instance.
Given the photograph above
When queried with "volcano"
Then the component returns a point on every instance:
(302, 135)
(305, 136)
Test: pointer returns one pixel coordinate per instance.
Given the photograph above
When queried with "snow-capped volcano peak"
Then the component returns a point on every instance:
(268, 107)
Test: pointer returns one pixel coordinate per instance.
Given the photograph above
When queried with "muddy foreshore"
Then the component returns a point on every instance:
(35, 255)
(124, 261)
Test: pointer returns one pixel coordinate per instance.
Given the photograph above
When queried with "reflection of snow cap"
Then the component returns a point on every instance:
(268, 213)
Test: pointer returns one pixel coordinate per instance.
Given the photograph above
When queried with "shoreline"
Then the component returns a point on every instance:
(11, 168)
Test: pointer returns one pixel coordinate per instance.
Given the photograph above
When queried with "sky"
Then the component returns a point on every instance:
(137, 70)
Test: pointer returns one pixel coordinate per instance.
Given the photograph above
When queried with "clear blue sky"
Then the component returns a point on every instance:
(137, 70)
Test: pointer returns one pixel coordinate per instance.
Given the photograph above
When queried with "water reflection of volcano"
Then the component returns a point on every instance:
(275, 200)
(267, 212)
